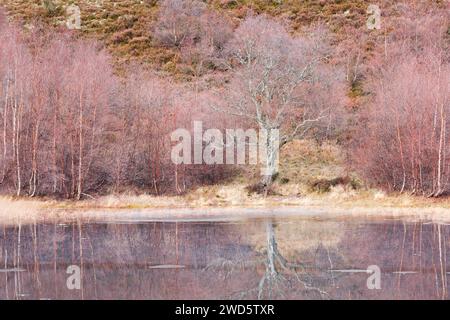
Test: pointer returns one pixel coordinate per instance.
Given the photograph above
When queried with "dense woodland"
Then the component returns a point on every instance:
(74, 124)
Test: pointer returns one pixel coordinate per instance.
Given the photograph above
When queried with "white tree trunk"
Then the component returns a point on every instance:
(269, 148)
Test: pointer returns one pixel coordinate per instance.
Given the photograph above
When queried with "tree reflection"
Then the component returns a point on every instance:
(253, 259)
(281, 275)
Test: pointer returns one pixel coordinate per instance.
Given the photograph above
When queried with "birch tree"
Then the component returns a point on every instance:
(403, 144)
(274, 82)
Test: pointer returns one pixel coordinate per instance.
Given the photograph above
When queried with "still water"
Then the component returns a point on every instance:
(248, 259)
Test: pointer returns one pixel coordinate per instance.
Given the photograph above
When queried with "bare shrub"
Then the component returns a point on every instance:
(178, 21)
(403, 140)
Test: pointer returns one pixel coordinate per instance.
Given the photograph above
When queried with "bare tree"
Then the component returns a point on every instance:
(206, 51)
(178, 21)
(275, 76)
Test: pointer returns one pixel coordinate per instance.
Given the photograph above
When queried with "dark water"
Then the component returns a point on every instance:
(251, 259)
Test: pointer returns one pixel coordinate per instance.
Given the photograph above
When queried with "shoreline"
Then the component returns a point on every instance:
(25, 212)
(221, 214)
(224, 203)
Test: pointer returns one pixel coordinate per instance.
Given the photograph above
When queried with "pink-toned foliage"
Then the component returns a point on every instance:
(54, 103)
(403, 140)
(178, 21)
(206, 52)
(69, 127)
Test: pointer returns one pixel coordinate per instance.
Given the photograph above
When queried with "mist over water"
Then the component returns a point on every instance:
(249, 259)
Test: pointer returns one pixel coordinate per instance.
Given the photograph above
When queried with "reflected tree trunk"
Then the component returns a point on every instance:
(279, 272)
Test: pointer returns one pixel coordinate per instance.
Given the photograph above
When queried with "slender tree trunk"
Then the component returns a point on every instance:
(14, 129)
(72, 167)
(19, 170)
(81, 142)
(441, 141)
(402, 157)
(92, 143)
(119, 158)
(5, 122)
(34, 170)
(269, 144)
(440, 154)
(16, 144)
(55, 165)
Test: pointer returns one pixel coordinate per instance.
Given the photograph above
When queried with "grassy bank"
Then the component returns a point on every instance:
(227, 202)
(237, 196)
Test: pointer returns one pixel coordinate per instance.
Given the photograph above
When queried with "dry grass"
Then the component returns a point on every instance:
(21, 211)
(302, 162)
(234, 196)
(228, 202)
